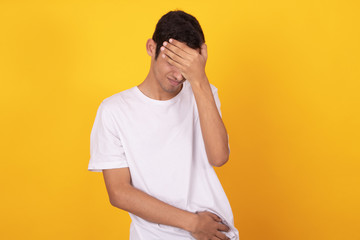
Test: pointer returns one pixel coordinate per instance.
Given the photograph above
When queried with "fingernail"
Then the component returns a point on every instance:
(170, 40)
(165, 43)
(162, 48)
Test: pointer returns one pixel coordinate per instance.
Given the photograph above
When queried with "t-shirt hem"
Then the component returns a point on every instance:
(106, 165)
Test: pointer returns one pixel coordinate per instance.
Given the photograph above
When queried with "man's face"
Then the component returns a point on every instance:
(169, 77)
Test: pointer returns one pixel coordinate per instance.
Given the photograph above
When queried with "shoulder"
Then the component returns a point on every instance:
(212, 86)
(118, 99)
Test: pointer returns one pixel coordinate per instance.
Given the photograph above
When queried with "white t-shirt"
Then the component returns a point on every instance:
(161, 143)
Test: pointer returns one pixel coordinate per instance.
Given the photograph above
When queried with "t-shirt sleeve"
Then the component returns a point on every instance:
(216, 97)
(106, 149)
(217, 102)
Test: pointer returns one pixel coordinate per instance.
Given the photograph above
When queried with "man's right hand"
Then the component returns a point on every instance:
(208, 226)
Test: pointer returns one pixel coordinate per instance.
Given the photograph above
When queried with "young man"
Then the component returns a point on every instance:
(157, 143)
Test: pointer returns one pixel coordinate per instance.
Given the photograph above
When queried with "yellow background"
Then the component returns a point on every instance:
(288, 79)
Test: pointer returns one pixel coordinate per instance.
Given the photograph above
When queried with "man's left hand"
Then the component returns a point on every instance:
(190, 62)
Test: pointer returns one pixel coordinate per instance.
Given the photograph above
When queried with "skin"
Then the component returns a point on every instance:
(188, 64)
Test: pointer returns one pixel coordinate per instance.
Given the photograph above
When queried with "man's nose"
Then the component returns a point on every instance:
(177, 74)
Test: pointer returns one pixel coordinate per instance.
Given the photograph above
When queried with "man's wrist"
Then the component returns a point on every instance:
(190, 222)
(204, 82)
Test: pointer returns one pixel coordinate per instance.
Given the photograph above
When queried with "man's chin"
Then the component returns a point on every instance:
(173, 89)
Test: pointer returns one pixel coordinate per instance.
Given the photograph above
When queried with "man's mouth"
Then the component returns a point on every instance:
(174, 82)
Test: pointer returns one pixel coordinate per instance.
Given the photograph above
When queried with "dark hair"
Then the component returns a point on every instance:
(181, 26)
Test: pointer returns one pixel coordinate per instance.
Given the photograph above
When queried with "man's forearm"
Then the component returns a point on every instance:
(212, 127)
(151, 209)
(191, 63)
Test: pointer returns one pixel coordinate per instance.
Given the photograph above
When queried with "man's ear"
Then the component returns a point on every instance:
(151, 47)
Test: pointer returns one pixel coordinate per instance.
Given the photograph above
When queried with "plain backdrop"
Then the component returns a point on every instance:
(288, 79)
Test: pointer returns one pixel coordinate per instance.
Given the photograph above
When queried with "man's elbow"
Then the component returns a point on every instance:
(221, 160)
(115, 199)
(119, 198)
